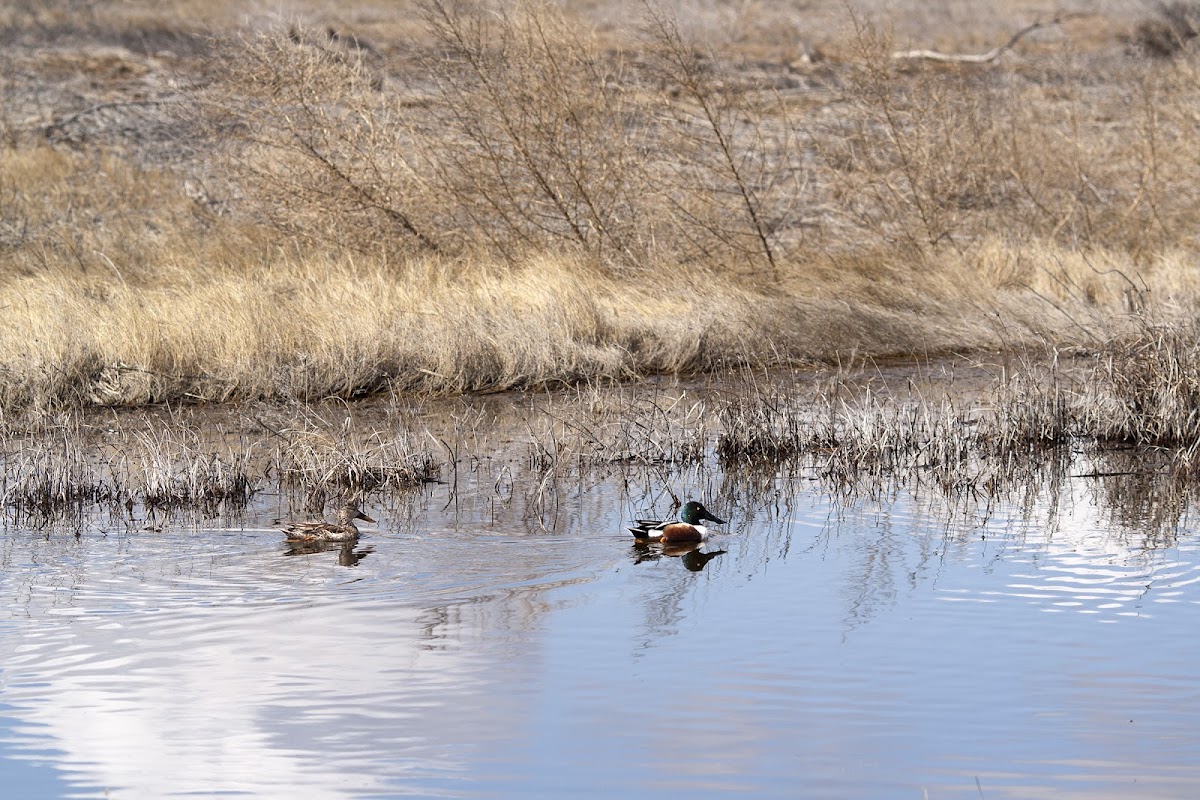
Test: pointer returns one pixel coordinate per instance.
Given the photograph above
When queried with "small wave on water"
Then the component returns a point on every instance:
(1076, 562)
(849, 647)
(219, 661)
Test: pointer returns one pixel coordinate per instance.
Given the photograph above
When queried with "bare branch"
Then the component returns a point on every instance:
(981, 58)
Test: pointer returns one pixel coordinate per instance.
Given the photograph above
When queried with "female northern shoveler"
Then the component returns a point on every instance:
(343, 530)
(686, 529)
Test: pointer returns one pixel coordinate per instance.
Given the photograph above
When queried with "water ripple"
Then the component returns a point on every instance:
(870, 649)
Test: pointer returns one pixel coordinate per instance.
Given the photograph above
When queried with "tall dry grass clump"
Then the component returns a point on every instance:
(1147, 390)
(204, 460)
(850, 438)
(45, 477)
(62, 468)
(1031, 408)
(594, 427)
(321, 459)
(172, 468)
(854, 430)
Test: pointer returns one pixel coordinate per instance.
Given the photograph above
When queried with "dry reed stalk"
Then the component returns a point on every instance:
(173, 470)
(322, 458)
(602, 427)
(47, 477)
(1148, 389)
(852, 435)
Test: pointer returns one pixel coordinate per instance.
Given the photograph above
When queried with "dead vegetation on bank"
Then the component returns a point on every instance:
(1117, 415)
(1140, 392)
(64, 467)
(855, 432)
(487, 197)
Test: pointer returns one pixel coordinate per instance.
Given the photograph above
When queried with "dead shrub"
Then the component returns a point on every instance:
(916, 158)
(322, 152)
(535, 143)
(1168, 33)
(730, 171)
(521, 135)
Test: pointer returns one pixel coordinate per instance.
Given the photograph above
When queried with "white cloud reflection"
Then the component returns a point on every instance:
(298, 686)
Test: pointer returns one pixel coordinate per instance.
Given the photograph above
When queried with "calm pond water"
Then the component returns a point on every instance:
(487, 644)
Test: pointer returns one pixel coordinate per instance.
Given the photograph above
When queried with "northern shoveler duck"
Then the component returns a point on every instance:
(686, 529)
(343, 530)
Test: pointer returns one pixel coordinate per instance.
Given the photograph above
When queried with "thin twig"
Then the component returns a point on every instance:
(981, 58)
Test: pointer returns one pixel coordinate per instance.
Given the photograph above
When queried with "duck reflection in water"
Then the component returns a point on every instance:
(348, 554)
(693, 558)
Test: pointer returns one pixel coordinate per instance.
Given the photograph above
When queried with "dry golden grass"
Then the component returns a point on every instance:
(455, 198)
(310, 329)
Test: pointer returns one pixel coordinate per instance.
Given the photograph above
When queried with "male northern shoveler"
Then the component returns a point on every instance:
(343, 530)
(686, 529)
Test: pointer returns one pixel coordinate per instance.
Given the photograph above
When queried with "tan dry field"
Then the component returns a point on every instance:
(218, 201)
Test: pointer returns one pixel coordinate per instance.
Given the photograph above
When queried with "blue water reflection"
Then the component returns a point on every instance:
(895, 647)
